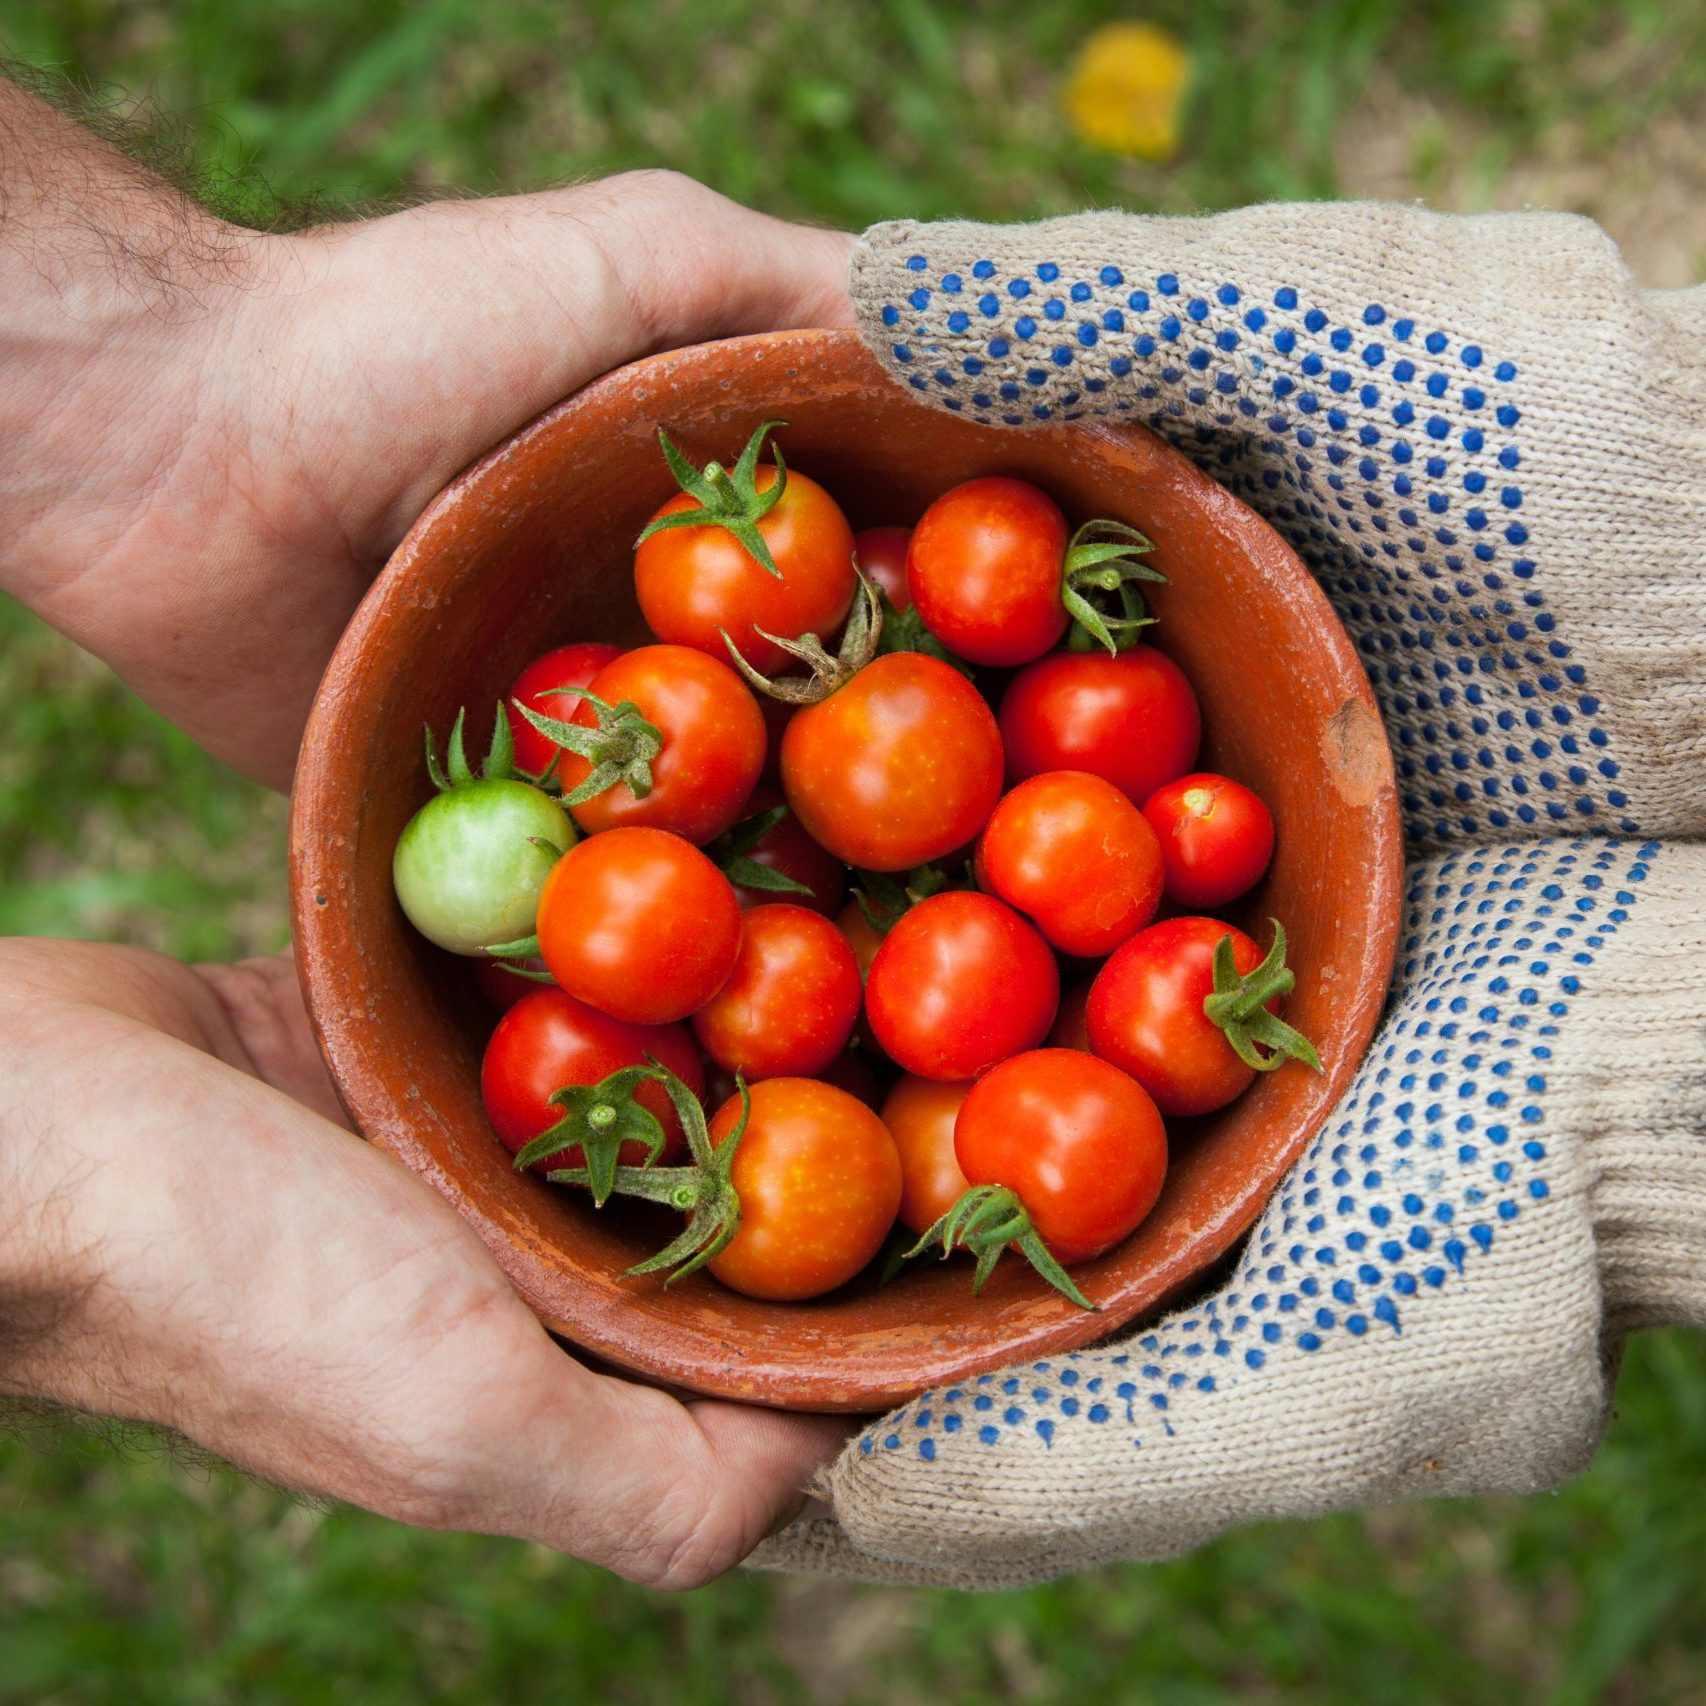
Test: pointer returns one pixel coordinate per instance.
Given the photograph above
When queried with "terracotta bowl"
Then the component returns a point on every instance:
(532, 547)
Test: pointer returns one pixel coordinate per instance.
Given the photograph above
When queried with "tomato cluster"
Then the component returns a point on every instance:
(652, 873)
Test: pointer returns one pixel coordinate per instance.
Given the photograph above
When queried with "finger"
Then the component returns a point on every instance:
(663, 1493)
(298, 1303)
(694, 265)
(466, 319)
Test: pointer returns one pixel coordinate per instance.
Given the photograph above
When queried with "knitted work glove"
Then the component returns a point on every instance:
(1491, 448)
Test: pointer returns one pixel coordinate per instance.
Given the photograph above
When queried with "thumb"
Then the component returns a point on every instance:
(423, 338)
(689, 265)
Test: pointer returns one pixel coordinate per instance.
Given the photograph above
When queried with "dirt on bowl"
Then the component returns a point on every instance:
(532, 547)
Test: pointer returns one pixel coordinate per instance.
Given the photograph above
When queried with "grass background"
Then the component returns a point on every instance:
(128, 1577)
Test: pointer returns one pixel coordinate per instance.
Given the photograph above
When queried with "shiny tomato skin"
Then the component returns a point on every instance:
(567, 666)
(790, 852)
(549, 1040)
(960, 982)
(920, 1115)
(881, 555)
(791, 1001)
(1131, 719)
(639, 924)
(693, 581)
(900, 766)
(984, 567)
(713, 744)
(818, 1178)
(1216, 838)
(1080, 1144)
(1146, 1014)
(1072, 1023)
(1073, 854)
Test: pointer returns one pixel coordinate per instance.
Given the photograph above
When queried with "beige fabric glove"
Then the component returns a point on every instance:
(1491, 448)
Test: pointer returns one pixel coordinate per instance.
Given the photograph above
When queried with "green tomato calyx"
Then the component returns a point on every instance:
(859, 643)
(498, 765)
(1096, 586)
(703, 1190)
(1239, 1006)
(986, 1220)
(904, 631)
(885, 898)
(727, 497)
(598, 1119)
(729, 853)
(620, 745)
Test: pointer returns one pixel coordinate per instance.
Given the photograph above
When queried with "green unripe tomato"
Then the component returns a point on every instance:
(467, 871)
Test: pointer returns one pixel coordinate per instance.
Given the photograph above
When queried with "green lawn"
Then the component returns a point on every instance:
(124, 1577)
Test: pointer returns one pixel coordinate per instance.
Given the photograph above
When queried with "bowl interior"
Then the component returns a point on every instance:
(533, 547)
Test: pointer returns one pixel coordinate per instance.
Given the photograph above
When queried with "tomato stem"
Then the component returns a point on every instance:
(704, 1191)
(1101, 565)
(1238, 1005)
(598, 1119)
(727, 497)
(620, 745)
(986, 1220)
(859, 643)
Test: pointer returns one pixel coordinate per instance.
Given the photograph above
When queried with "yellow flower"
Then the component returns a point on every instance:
(1126, 89)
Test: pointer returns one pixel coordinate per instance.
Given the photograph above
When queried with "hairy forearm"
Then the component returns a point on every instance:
(112, 284)
(88, 234)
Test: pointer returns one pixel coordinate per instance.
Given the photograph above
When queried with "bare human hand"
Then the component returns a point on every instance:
(216, 437)
(202, 1246)
(212, 439)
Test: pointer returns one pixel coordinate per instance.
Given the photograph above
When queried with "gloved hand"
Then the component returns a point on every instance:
(1491, 448)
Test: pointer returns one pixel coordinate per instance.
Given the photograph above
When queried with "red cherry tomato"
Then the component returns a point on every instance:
(640, 924)
(791, 1001)
(881, 555)
(694, 581)
(960, 982)
(1146, 1014)
(504, 988)
(1072, 1024)
(985, 567)
(1216, 838)
(786, 849)
(713, 744)
(1075, 1139)
(567, 666)
(548, 1041)
(1073, 854)
(819, 1181)
(920, 1114)
(899, 766)
(1130, 719)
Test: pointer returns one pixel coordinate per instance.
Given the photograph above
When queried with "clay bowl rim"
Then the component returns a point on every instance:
(314, 817)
